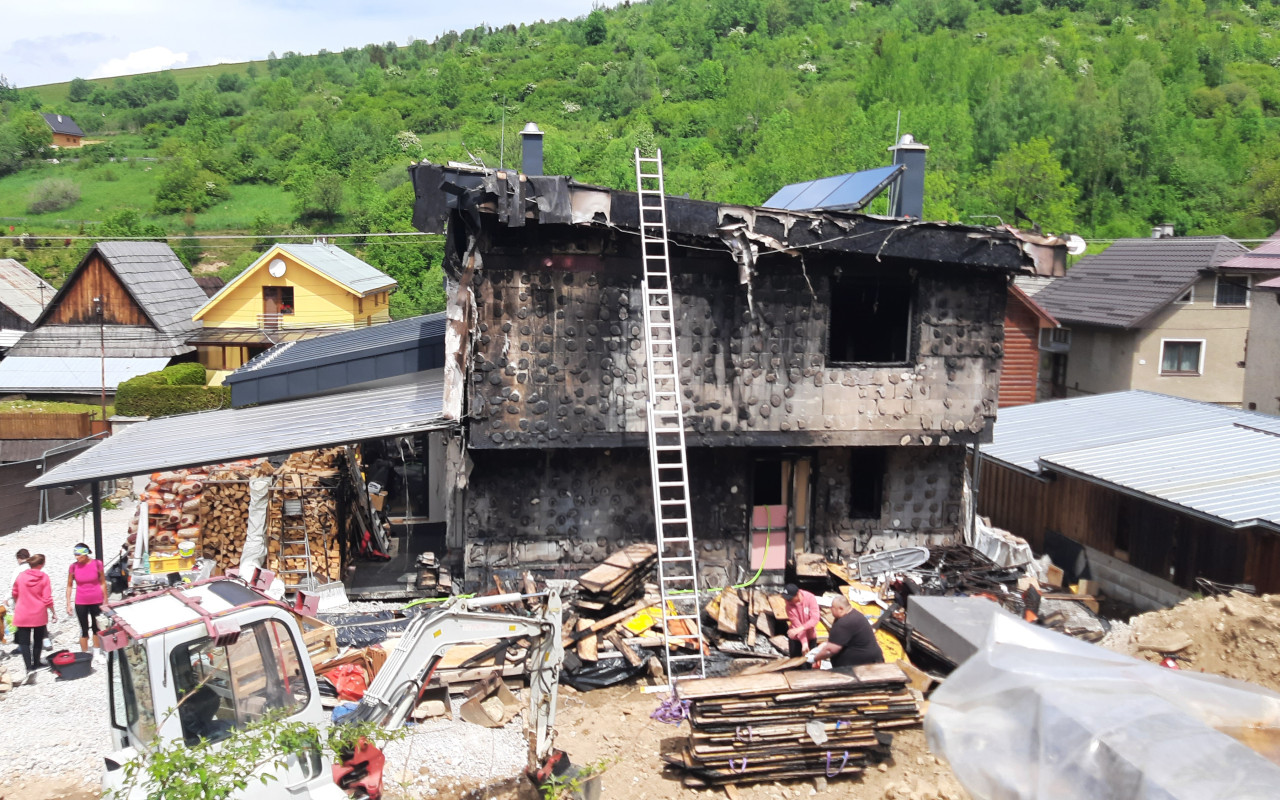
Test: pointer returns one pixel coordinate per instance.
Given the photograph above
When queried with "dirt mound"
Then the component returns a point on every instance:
(1236, 635)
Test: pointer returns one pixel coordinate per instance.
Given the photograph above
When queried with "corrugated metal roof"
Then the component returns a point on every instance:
(22, 291)
(1132, 279)
(1227, 471)
(62, 374)
(213, 437)
(1219, 462)
(158, 281)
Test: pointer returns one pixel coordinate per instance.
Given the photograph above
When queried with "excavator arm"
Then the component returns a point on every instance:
(390, 698)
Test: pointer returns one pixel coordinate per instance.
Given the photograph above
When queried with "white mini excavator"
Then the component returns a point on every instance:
(200, 660)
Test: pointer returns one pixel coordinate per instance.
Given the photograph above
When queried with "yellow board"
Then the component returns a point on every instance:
(891, 647)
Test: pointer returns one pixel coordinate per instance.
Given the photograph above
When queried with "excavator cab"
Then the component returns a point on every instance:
(198, 662)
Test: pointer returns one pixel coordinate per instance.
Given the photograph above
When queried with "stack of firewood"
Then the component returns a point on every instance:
(306, 477)
(791, 725)
(224, 511)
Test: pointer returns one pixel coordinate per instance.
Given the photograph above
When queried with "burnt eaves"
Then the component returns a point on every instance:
(475, 196)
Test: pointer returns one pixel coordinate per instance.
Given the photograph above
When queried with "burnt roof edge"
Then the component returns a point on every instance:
(445, 193)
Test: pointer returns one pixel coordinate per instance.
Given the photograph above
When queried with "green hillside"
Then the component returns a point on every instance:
(1100, 117)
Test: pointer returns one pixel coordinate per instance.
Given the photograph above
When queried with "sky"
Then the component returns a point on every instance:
(52, 41)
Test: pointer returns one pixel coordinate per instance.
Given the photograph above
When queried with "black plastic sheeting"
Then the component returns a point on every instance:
(585, 676)
(362, 630)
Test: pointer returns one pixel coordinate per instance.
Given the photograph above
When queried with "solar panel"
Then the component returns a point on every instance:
(851, 191)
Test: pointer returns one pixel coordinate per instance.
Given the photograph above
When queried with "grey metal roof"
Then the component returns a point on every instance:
(1219, 462)
(9, 338)
(377, 353)
(1225, 471)
(22, 291)
(214, 437)
(61, 123)
(158, 281)
(67, 374)
(1132, 279)
(88, 341)
(341, 266)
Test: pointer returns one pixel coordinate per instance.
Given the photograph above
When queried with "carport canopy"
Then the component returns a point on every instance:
(215, 437)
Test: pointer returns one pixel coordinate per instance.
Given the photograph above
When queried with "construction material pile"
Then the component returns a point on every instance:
(303, 506)
(172, 501)
(1236, 635)
(788, 725)
(224, 510)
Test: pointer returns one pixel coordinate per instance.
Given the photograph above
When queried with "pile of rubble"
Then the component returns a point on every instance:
(1235, 635)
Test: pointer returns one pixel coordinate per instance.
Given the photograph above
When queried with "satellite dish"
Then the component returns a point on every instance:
(276, 267)
(1075, 244)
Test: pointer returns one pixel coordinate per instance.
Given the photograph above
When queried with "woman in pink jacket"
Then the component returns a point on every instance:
(32, 612)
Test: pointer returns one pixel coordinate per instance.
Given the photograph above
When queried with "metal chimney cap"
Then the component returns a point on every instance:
(531, 129)
(908, 142)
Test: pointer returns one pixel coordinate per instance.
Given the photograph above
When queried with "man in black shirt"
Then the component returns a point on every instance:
(850, 641)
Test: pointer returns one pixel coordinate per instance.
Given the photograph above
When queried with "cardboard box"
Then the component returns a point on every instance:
(376, 500)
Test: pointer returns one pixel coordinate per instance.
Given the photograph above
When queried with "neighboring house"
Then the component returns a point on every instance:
(1029, 338)
(293, 292)
(1144, 491)
(23, 295)
(66, 133)
(1155, 314)
(211, 284)
(835, 367)
(125, 310)
(1259, 269)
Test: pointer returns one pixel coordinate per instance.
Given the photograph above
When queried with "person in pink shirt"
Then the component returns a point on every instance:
(32, 612)
(802, 619)
(89, 579)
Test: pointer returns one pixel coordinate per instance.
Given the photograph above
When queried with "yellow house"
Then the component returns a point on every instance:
(294, 291)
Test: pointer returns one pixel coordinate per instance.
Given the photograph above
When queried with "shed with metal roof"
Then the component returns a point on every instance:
(1177, 488)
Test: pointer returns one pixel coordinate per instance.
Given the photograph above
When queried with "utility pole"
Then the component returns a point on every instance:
(102, 350)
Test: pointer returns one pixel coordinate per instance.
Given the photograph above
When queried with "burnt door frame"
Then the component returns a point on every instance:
(795, 493)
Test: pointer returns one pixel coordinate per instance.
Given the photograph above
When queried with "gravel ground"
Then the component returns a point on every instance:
(55, 729)
(59, 730)
(441, 756)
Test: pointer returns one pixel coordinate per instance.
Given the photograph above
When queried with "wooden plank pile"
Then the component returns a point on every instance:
(308, 477)
(788, 725)
(433, 579)
(619, 580)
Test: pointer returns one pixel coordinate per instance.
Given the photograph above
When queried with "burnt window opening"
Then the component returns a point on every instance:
(870, 321)
(766, 485)
(866, 482)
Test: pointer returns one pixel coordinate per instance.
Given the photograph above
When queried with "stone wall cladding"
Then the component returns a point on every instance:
(558, 361)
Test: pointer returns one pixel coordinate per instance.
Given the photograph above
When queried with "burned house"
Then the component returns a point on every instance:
(834, 367)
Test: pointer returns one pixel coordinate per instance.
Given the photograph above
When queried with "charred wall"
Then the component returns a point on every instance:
(559, 511)
(557, 356)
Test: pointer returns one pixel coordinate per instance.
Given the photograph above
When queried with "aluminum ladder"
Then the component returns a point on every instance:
(292, 525)
(668, 465)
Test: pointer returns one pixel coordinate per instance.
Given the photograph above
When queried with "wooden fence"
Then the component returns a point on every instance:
(39, 425)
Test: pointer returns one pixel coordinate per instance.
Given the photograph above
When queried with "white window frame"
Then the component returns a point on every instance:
(1199, 367)
(1190, 294)
(1248, 283)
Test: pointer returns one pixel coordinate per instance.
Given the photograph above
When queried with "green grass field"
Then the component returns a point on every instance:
(56, 93)
(108, 187)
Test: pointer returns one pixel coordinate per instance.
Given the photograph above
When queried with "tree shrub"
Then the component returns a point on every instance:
(52, 194)
(177, 389)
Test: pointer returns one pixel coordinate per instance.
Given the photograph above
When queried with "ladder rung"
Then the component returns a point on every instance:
(670, 483)
(674, 558)
(682, 616)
